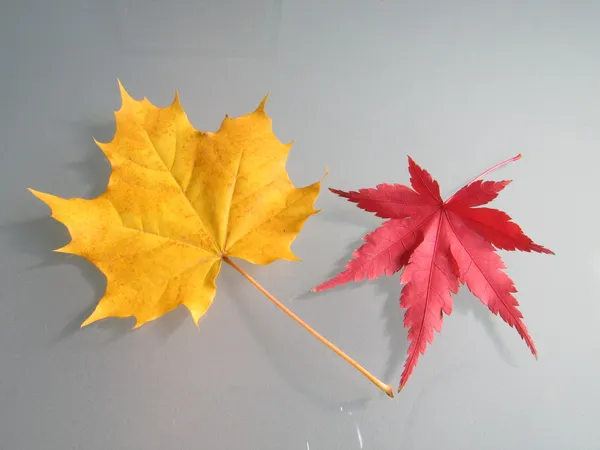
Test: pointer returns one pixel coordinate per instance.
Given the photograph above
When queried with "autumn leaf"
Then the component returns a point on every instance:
(439, 244)
(178, 203)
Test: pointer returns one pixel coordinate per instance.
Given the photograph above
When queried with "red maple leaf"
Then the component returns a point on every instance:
(439, 244)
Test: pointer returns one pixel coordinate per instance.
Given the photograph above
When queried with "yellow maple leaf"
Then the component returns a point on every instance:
(178, 203)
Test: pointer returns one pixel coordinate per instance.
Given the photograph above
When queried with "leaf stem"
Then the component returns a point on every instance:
(384, 387)
(491, 169)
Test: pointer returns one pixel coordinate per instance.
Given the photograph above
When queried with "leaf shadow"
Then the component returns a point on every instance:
(171, 322)
(393, 317)
(430, 389)
(94, 168)
(338, 216)
(40, 237)
(466, 303)
(391, 312)
(346, 214)
(286, 358)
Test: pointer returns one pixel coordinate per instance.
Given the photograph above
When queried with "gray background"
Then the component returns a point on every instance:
(358, 84)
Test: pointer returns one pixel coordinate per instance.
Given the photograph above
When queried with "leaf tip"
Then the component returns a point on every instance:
(64, 249)
(88, 321)
(121, 87)
(42, 196)
(94, 317)
(101, 145)
(261, 106)
(124, 94)
(176, 101)
(317, 288)
(339, 192)
(195, 313)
